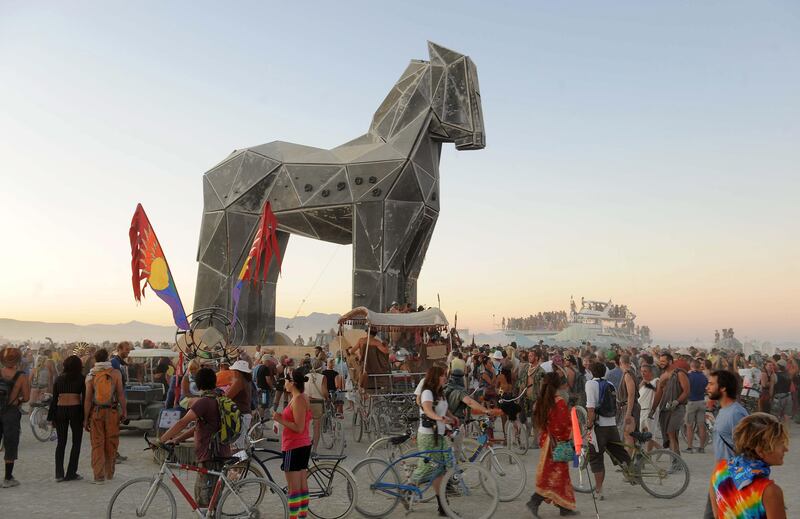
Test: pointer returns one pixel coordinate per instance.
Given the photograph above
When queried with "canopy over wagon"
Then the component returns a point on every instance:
(430, 320)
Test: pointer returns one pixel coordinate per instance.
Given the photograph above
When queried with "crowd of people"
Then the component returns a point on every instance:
(555, 321)
(654, 389)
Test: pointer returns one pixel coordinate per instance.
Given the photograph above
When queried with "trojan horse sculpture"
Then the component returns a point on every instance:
(379, 192)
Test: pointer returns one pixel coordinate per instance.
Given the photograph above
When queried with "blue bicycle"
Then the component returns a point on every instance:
(467, 491)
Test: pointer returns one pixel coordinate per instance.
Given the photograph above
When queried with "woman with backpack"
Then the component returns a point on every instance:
(14, 391)
(65, 413)
(551, 417)
(434, 417)
(296, 443)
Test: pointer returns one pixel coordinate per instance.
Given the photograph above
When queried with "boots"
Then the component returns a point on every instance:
(567, 512)
(533, 504)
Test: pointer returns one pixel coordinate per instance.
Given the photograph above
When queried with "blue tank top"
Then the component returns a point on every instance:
(697, 386)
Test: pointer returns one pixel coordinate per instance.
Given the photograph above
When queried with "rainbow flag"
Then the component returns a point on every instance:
(149, 265)
(265, 246)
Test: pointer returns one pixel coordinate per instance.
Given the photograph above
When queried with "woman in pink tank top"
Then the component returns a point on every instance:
(296, 443)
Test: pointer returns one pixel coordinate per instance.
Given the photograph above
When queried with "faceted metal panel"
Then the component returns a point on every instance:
(207, 229)
(211, 201)
(241, 230)
(335, 191)
(283, 196)
(425, 181)
(456, 96)
(308, 180)
(296, 223)
(222, 176)
(254, 168)
(423, 157)
(397, 220)
(378, 191)
(216, 253)
(211, 288)
(364, 177)
(252, 201)
(406, 188)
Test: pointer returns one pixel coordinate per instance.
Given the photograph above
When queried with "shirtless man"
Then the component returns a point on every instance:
(629, 410)
(671, 396)
(376, 354)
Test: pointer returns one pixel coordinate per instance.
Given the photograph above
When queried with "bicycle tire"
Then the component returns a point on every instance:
(42, 430)
(461, 501)
(247, 469)
(327, 433)
(509, 471)
(581, 476)
(358, 426)
(661, 463)
(709, 434)
(518, 443)
(128, 509)
(258, 497)
(372, 502)
(323, 501)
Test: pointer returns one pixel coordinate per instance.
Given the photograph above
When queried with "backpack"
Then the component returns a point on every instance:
(103, 388)
(607, 405)
(455, 399)
(6, 386)
(230, 420)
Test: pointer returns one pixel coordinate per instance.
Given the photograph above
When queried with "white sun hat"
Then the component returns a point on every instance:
(241, 365)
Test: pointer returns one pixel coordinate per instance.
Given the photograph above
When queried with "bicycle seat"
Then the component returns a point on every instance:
(642, 436)
(328, 457)
(397, 440)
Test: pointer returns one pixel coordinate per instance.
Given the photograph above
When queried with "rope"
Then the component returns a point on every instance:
(303, 301)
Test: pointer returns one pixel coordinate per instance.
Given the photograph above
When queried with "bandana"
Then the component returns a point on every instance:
(745, 470)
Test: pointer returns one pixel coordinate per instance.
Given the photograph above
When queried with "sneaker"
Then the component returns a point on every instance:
(600, 496)
(120, 458)
(9, 483)
(76, 477)
(53, 436)
(98, 481)
(689, 450)
(701, 450)
(59, 479)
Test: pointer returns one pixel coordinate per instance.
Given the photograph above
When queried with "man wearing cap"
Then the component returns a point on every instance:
(264, 376)
(240, 391)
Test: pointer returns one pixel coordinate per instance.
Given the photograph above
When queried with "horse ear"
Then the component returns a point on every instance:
(442, 56)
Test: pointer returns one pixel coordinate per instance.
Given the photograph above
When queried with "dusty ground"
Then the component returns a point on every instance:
(40, 496)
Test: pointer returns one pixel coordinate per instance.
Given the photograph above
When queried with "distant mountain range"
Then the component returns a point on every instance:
(14, 330)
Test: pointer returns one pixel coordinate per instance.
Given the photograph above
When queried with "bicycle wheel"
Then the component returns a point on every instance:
(358, 426)
(517, 437)
(247, 469)
(508, 470)
(332, 491)
(374, 429)
(662, 473)
(253, 497)
(383, 448)
(129, 500)
(377, 483)
(41, 428)
(581, 476)
(327, 433)
(461, 499)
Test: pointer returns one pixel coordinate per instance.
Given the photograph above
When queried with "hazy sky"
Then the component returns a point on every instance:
(644, 153)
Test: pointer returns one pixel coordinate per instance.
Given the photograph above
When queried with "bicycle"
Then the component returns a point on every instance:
(516, 433)
(150, 496)
(332, 490)
(41, 427)
(708, 423)
(660, 472)
(468, 487)
(331, 432)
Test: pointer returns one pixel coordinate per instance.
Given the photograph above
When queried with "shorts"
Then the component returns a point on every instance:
(10, 431)
(671, 421)
(205, 483)
(781, 405)
(607, 440)
(695, 412)
(636, 414)
(296, 459)
(317, 408)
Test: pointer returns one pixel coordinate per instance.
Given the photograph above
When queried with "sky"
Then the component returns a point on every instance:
(641, 152)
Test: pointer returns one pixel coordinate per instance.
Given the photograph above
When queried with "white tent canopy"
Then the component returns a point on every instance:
(430, 319)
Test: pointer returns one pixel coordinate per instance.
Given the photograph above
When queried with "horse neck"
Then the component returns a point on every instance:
(409, 98)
